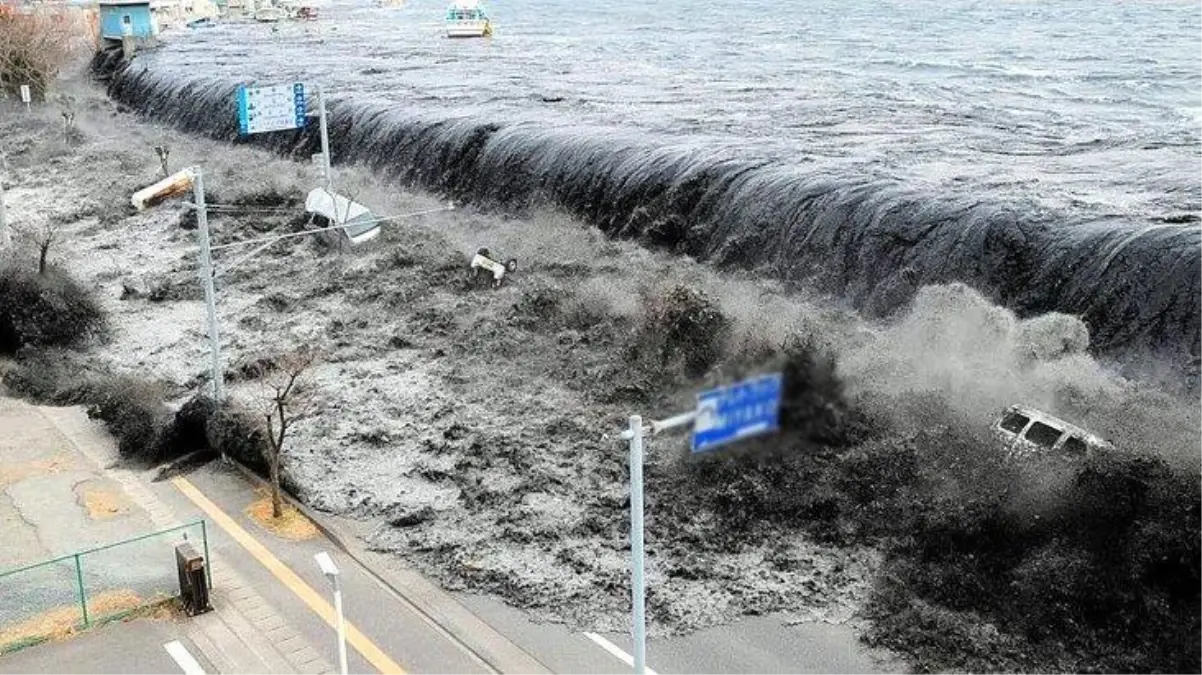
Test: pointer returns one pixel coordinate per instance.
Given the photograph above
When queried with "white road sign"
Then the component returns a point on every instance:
(271, 108)
(25, 97)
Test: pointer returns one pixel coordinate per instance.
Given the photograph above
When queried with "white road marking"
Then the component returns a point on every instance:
(183, 658)
(615, 650)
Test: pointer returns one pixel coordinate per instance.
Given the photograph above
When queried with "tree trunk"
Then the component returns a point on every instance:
(42, 258)
(277, 507)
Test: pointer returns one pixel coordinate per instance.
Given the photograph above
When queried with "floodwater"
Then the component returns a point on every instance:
(1045, 152)
(1091, 105)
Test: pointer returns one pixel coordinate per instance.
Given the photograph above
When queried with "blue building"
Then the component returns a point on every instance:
(127, 17)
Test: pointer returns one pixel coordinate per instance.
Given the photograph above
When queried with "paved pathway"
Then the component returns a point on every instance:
(133, 647)
(54, 461)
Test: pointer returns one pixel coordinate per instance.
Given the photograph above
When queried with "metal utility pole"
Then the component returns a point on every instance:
(637, 582)
(5, 236)
(326, 179)
(206, 274)
(5, 239)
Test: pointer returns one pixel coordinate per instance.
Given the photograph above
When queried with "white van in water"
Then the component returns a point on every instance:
(1027, 431)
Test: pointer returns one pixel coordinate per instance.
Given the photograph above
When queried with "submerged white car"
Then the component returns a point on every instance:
(1027, 431)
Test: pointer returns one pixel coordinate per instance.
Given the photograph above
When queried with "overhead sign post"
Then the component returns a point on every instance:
(725, 415)
(281, 107)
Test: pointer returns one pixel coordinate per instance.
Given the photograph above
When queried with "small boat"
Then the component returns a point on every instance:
(467, 18)
(270, 14)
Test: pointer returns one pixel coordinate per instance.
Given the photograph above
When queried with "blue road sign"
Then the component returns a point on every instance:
(271, 108)
(737, 411)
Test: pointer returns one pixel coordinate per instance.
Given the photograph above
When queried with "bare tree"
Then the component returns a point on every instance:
(163, 151)
(66, 108)
(43, 236)
(289, 397)
(33, 47)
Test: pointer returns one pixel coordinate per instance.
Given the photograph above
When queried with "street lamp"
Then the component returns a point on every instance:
(331, 571)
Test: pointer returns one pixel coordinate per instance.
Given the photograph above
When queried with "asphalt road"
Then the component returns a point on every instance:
(751, 645)
(409, 638)
(132, 647)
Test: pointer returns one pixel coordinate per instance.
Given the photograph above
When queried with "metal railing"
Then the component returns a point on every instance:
(77, 590)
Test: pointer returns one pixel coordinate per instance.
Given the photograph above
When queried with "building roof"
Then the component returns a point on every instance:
(123, 3)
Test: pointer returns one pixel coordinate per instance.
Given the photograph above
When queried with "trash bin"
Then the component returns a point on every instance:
(193, 579)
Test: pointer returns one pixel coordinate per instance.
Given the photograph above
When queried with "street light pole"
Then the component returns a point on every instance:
(637, 581)
(328, 568)
(341, 625)
(206, 275)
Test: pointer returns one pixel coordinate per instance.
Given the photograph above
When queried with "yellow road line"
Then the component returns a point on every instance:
(373, 654)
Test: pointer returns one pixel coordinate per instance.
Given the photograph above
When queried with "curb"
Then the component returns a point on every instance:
(307, 512)
(514, 659)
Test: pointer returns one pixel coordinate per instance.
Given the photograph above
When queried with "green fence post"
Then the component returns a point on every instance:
(83, 599)
(204, 535)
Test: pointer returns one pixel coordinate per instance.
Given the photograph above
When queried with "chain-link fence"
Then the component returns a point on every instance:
(74, 591)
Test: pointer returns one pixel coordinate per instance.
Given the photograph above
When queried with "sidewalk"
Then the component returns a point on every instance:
(57, 452)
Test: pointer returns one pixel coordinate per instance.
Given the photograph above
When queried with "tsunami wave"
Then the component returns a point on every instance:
(873, 241)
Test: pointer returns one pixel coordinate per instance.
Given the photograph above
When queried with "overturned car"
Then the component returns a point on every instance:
(1027, 431)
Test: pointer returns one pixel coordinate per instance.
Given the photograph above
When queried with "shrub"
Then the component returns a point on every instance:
(134, 413)
(33, 48)
(234, 432)
(684, 325)
(187, 431)
(44, 310)
(47, 375)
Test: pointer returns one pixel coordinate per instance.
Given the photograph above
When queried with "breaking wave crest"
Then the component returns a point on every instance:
(874, 241)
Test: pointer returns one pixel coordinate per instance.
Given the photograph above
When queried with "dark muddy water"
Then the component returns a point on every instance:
(1047, 153)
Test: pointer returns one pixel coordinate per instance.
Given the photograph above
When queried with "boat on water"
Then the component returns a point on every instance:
(270, 14)
(467, 18)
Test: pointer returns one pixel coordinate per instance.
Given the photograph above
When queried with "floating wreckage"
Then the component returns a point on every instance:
(358, 223)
